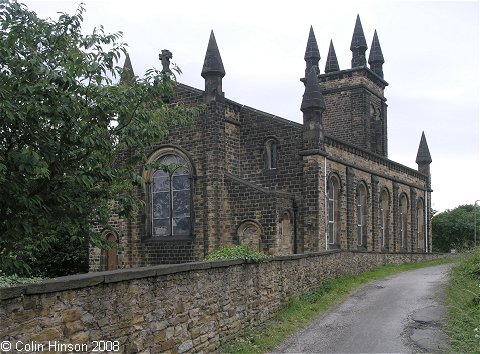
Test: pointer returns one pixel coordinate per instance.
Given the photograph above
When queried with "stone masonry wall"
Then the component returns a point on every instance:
(187, 308)
(355, 108)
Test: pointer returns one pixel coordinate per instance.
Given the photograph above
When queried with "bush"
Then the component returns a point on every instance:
(454, 229)
(236, 252)
(9, 280)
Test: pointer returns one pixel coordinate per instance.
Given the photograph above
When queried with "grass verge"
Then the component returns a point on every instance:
(300, 311)
(463, 303)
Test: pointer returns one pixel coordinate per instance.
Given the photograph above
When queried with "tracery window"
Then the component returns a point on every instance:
(171, 198)
(333, 194)
(403, 220)
(384, 211)
(361, 215)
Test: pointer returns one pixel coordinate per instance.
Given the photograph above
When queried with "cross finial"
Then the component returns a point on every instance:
(165, 57)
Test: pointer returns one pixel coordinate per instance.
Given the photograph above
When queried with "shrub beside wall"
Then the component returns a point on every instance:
(183, 308)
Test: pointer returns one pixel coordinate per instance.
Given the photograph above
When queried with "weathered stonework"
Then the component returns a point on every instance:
(248, 167)
(186, 308)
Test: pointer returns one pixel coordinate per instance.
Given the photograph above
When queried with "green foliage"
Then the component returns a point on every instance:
(301, 310)
(9, 280)
(463, 300)
(454, 229)
(70, 136)
(236, 252)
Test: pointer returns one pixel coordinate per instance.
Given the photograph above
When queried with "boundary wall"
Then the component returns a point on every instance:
(185, 308)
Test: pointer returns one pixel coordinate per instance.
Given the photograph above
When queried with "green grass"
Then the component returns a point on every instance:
(463, 303)
(301, 311)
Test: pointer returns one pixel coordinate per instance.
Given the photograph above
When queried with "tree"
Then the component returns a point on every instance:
(64, 123)
(454, 229)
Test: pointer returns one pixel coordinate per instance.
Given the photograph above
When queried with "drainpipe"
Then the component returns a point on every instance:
(325, 203)
(426, 220)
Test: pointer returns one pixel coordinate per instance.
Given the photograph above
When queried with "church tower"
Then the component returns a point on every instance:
(356, 109)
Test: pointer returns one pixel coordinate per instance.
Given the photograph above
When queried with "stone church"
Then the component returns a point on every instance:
(243, 176)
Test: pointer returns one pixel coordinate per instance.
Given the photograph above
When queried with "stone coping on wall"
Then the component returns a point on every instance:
(95, 278)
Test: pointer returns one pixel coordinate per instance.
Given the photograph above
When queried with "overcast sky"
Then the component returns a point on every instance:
(431, 52)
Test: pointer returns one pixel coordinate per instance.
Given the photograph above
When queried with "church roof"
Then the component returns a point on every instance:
(213, 61)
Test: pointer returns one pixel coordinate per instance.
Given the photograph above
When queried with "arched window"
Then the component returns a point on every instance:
(333, 206)
(361, 215)
(271, 154)
(420, 225)
(384, 217)
(171, 197)
(403, 220)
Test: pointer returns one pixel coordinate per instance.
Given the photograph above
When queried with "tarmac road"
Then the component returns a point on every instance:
(398, 314)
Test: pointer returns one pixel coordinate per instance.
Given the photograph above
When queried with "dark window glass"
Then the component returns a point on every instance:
(273, 155)
(171, 199)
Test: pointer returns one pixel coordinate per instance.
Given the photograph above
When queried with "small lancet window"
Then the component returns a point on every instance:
(420, 225)
(271, 154)
(384, 211)
(361, 215)
(333, 193)
(403, 220)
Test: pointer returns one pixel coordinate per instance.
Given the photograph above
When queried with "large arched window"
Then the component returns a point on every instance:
(403, 221)
(333, 206)
(420, 225)
(384, 217)
(362, 215)
(171, 197)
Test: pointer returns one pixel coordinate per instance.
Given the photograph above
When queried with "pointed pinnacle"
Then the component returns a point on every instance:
(358, 38)
(127, 74)
(312, 98)
(423, 155)
(213, 64)
(376, 55)
(332, 62)
(312, 51)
